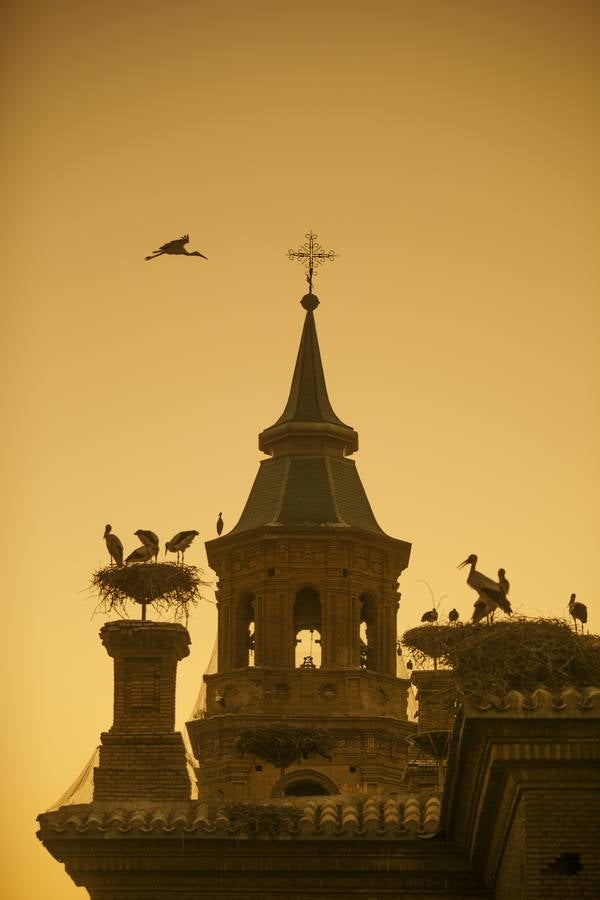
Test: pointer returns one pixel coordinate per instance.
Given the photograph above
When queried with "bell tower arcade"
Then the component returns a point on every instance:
(307, 601)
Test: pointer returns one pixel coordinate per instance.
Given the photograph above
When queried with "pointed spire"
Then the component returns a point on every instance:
(308, 412)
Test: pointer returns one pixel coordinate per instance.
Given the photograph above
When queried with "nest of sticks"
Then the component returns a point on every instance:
(520, 654)
(281, 744)
(258, 820)
(171, 589)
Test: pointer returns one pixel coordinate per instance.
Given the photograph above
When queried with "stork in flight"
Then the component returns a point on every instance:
(148, 539)
(180, 542)
(489, 593)
(578, 611)
(114, 546)
(177, 248)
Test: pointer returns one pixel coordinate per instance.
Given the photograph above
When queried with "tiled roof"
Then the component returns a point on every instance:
(313, 490)
(568, 702)
(411, 817)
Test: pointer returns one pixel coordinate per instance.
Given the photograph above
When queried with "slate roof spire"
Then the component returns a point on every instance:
(308, 479)
(308, 414)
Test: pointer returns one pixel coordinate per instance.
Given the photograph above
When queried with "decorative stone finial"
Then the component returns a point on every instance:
(310, 301)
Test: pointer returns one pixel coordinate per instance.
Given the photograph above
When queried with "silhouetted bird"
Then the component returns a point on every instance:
(148, 539)
(489, 592)
(409, 665)
(431, 616)
(177, 248)
(113, 545)
(578, 611)
(180, 542)
(453, 615)
(220, 523)
(141, 554)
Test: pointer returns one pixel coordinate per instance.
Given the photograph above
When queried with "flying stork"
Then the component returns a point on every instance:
(490, 593)
(220, 523)
(176, 248)
(180, 542)
(578, 611)
(148, 539)
(141, 554)
(114, 546)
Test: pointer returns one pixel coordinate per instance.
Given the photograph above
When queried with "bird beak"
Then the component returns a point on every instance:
(463, 563)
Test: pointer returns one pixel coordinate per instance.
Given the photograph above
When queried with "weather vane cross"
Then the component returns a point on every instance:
(311, 255)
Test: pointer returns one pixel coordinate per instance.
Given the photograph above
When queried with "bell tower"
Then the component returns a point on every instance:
(307, 601)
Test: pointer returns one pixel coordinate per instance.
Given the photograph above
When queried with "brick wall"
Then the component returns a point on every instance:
(553, 851)
(141, 756)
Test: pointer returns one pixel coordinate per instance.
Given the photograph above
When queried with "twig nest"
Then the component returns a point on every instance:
(520, 654)
(169, 587)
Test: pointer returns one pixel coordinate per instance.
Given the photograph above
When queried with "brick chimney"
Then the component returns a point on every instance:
(142, 756)
(436, 696)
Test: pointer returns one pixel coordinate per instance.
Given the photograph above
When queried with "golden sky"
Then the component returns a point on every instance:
(448, 151)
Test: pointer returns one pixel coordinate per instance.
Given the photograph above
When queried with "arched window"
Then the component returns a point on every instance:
(307, 628)
(305, 783)
(244, 632)
(368, 633)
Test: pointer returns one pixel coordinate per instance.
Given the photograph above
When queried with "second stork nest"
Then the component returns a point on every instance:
(521, 654)
(170, 588)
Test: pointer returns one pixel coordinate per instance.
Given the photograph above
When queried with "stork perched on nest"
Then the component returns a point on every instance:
(113, 545)
(578, 611)
(453, 616)
(180, 542)
(141, 554)
(177, 248)
(490, 593)
(148, 539)
(430, 616)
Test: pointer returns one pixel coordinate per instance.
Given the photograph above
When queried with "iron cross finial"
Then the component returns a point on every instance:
(311, 255)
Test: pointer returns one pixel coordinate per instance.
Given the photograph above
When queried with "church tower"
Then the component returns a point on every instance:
(307, 601)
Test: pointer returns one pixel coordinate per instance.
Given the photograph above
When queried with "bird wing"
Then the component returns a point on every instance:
(480, 582)
(179, 244)
(496, 598)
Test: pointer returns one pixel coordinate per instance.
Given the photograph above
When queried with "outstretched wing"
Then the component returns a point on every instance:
(174, 246)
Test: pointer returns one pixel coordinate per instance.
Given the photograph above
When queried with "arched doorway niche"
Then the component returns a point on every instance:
(304, 783)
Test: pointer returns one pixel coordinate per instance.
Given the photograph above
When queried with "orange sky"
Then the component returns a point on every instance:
(447, 150)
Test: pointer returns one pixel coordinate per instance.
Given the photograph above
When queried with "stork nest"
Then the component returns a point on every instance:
(520, 654)
(281, 744)
(170, 588)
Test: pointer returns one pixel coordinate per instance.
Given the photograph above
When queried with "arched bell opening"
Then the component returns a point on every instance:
(244, 632)
(307, 629)
(368, 637)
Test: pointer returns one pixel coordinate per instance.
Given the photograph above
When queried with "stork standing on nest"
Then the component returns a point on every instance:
(141, 554)
(490, 593)
(453, 616)
(148, 539)
(177, 248)
(578, 611)
(180, 542)
(114, 546)
(431, 615)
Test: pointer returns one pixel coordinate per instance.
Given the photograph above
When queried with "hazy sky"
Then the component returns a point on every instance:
(448, 151)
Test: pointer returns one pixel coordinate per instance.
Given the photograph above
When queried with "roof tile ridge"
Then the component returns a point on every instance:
(340, 519)
(282, 490)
